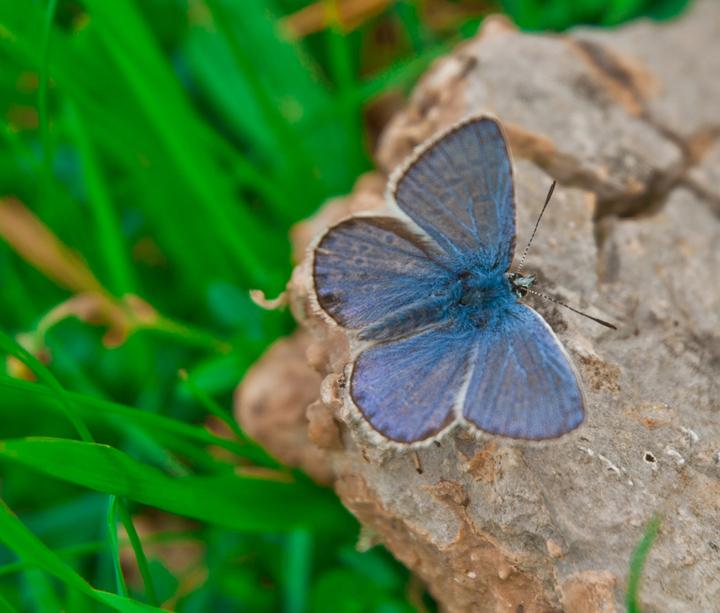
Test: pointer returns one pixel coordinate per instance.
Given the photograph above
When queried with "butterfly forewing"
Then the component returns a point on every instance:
(368, 269)
(459, 190)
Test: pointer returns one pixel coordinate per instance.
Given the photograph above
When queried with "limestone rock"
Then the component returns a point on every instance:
(628, 122)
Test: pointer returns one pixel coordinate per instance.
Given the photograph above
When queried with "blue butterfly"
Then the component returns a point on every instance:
(440, 336)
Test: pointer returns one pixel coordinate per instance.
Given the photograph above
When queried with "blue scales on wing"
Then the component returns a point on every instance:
(459, 190)
(522, 384)
(374, 275)
(407, 389)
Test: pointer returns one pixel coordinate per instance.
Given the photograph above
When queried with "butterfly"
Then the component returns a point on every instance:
(439, 334)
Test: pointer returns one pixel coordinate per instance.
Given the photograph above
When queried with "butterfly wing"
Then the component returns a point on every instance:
(374, 275)
(407, 389)
(459, 190)
(523, 384)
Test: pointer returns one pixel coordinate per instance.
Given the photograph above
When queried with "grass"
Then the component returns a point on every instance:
(154, 156)
(637, 564)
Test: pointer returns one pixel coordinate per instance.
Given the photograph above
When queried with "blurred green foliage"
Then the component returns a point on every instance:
(561, 14)
(153, 156)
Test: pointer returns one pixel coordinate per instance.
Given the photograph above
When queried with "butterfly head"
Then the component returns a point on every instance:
(520, 283)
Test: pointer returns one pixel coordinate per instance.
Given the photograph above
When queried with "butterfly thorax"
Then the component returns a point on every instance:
(480, 297)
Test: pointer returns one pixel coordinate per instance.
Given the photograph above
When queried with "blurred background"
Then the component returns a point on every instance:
(153, 156)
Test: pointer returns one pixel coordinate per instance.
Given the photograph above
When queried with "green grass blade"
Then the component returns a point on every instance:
(112, 514)
(28, 547)
(400, 74)
(72, 551)
(140, 556)
(126, 90)
(39, 589)
(618, 11)
(343, 75)
(666, 9)
(637, 564)
(408, 12)
(108, 235)
(131, 46)
(6, 607)
(8, 345)
(188, 335)
(244, 65)
(298, 563)
(212, 407)
(43, 94)
(237, 502)
(123, 418)
(94, 547)
(120, 603)
(261, 456)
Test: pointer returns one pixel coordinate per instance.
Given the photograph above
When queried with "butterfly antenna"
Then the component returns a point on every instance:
(537, 223)
(602, 322)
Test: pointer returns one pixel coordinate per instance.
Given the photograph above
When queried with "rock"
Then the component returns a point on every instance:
(275, 415)
(628, 122)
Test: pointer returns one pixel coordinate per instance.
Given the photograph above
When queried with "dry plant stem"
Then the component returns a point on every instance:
(627, 122)
(91, 302)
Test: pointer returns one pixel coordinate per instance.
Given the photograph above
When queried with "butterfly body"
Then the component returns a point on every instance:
(440, 335)
(484, 297)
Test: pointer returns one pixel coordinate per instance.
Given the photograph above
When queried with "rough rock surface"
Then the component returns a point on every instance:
(628, 122)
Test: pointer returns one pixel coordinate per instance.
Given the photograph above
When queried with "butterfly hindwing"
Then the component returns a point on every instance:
(523, 384)
(407, 389)
(459, 190)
